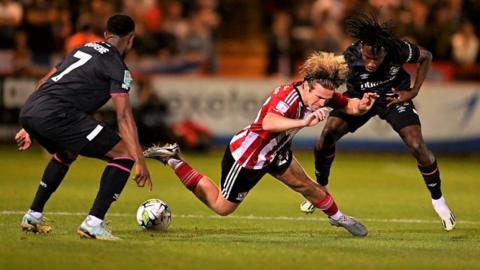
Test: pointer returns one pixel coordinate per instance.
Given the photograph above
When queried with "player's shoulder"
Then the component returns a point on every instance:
(407, 52)
(285, 89)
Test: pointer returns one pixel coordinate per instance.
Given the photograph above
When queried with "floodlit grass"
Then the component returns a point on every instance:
(384, 191)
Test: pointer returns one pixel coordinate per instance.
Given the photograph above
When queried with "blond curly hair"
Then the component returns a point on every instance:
(325, 68)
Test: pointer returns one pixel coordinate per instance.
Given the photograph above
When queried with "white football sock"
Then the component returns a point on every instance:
(337, 215)
(173, 162)
(93, 220)
(35, 214)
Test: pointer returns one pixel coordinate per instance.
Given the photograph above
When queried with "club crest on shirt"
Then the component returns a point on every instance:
(394, 70)
(282, 107)
(127, 80)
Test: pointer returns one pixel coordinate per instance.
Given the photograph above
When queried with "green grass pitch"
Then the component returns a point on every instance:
(384, 191)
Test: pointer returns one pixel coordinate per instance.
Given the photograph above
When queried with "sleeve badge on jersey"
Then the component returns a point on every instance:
(127, 80)
(282, 107)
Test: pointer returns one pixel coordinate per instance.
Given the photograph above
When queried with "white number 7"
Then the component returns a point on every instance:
(82, 59)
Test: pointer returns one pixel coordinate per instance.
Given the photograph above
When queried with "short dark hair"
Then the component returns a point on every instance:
(120, 25)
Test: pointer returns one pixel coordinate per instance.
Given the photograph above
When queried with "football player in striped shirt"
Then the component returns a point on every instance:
(264, 146)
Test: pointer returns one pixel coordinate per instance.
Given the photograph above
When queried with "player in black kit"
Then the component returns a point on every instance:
(59, 116)
(375, 65)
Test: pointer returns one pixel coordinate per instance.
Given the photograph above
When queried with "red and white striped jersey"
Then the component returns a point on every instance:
(254, 148)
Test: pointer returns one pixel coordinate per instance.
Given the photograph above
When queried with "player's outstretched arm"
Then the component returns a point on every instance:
(128, 132)
(357, 106)
(277, 123)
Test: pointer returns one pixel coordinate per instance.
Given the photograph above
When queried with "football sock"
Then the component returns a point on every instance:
(188, 176)
(114, 178)
(35, 214)
(431, 176)
(51, 179)
(323, 162)
(337, 215)
(93, 221)
(327, 205)
(173, 162)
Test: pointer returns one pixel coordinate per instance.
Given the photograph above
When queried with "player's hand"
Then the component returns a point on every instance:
(23, 140)
(142, 175)
(316, 117)
(401, 96)
(367, 101)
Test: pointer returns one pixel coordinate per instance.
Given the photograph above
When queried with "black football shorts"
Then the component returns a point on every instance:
(398, 115)
(237, 181)
(74, 131)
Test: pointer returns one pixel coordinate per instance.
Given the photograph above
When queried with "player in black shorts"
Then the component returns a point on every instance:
(375, 65)
(59, 116)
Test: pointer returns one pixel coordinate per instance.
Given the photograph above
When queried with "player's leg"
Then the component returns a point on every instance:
(427, 164)
(324, 150)
(201, 186)
(52, 177)
(296, 178)
(338, 124)
(106, 145)
(405, 121)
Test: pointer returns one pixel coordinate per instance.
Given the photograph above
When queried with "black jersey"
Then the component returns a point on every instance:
(389, 74)
(84, 81)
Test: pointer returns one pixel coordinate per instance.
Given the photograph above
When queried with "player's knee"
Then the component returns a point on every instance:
(65, 157)
(224, 211)
(329, 136)
(417, 147)
(120, 150)
(123, 162)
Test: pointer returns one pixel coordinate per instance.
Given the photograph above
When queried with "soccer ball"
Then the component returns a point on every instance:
(154, 214)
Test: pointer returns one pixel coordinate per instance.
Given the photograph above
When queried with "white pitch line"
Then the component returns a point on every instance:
(252, 217)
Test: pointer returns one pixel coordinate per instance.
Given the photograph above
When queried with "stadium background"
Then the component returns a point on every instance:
(234, 52)
(201, 69)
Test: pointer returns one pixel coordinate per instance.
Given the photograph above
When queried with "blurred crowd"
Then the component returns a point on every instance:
(182, 36)
(172, 35)
(448, 28)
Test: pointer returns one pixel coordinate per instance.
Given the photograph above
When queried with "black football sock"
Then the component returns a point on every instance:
(51, 179)
(113, 181)
(431, 176)
(323, 162)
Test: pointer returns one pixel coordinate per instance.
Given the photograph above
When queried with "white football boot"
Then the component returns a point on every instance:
(99, 232)
(446, 216)
(162, 153)
(307, 207)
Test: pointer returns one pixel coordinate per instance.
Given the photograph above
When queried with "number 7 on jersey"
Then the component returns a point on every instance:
(82, 59)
